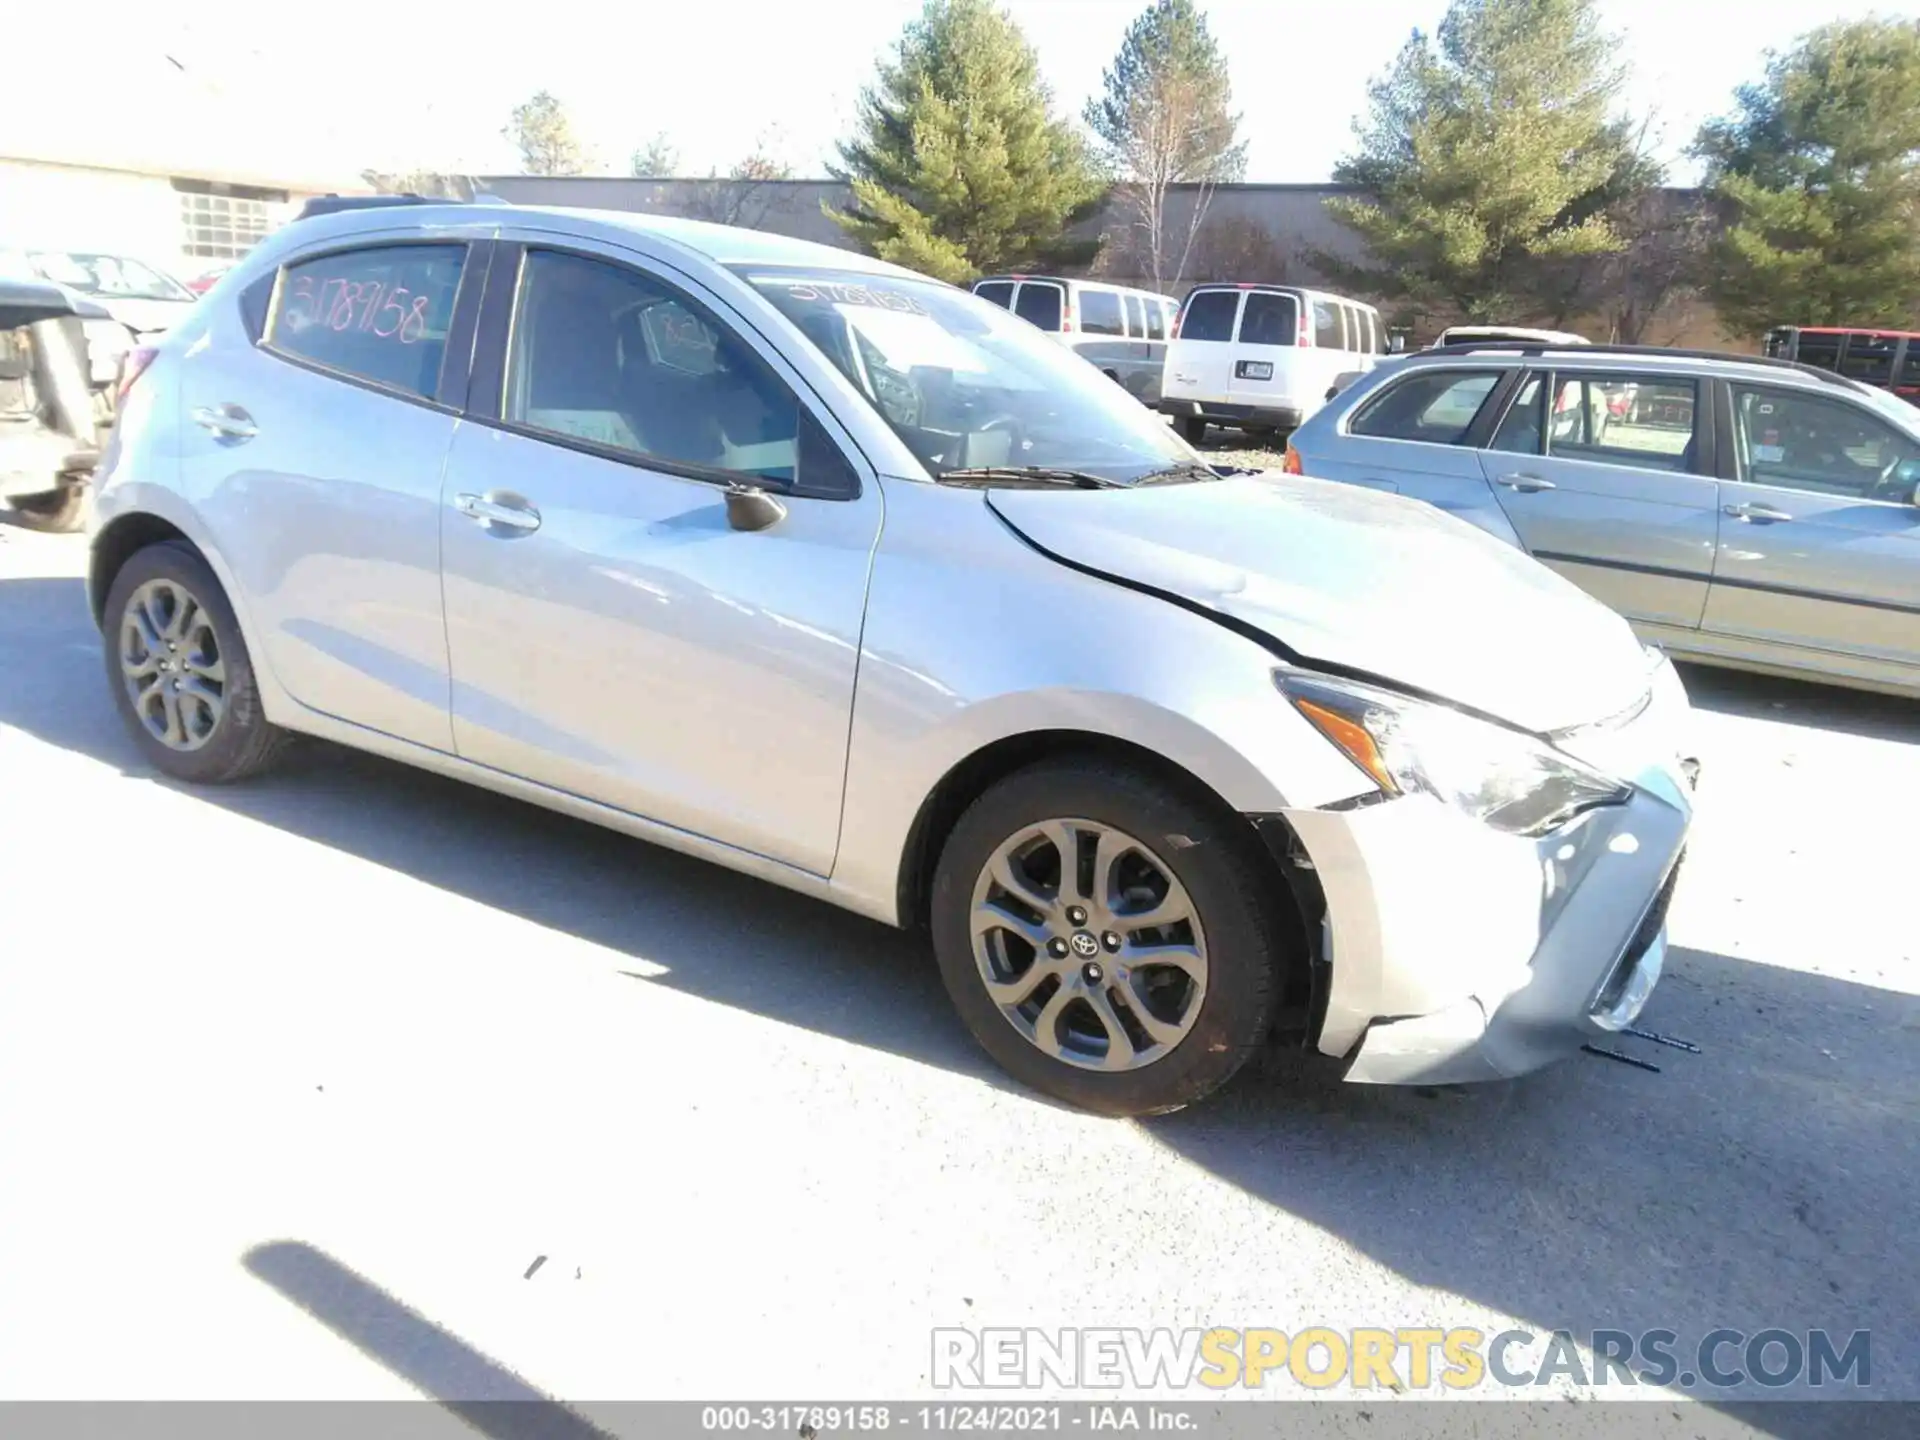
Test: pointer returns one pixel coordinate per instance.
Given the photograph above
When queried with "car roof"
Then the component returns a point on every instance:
(1615, 357)
(1265, 289)
(1093, 280)
(722, 244)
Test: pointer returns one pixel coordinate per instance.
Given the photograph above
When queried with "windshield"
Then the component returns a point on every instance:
(113, 277)
(967, 385)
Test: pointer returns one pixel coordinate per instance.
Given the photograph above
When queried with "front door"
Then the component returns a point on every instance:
(1603, 477)
(315, 429)
(1820, 540)
(611, 635)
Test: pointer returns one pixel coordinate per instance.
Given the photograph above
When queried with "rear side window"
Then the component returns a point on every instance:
(1040, 304)
(1000, 292)
(1821, 350)
(1326, 325)
(1437, 407)
(1100, 313)
(1269, 319)
(1910, 366)
(1156, 320)
(379, 315)
(1136, 318)
(1869, 358)
(1209, 315)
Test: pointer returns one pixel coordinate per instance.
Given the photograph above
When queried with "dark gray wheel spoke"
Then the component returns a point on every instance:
(1071, 970)
(171, 665)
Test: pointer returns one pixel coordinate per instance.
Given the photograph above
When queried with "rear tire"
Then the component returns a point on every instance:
(55, 512)
(1193, 429)
(179, 670)
(1088, 1004)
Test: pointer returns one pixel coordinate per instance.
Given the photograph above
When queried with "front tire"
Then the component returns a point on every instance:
(179, 670)
(59, 511)
(1108, 941)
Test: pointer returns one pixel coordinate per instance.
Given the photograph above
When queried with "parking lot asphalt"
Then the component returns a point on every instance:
(354, 1082)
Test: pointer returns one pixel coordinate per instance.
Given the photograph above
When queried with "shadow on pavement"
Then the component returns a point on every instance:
(1802, 702)
(1769, 1182)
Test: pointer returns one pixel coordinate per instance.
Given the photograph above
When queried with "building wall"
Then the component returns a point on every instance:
(72, 207)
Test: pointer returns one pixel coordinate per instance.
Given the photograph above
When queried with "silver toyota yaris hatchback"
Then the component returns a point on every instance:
(851, 580)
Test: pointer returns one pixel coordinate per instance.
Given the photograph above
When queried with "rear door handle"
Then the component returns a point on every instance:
(1527, 484)
(228, 422)
(489, 510)
(1765, 514)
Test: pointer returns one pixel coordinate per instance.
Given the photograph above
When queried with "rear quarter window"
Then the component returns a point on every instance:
(1438, 407)
(378, 314)
(1209, 315)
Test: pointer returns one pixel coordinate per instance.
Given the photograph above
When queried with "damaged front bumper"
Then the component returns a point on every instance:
(1453, 953)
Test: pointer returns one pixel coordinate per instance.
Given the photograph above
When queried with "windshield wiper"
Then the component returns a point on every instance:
(1184, 471)
(1027, 475)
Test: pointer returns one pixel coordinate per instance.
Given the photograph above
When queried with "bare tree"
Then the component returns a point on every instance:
(434, 184)
(1234, 247)
(1167, 134)
(656, 160)
(541, 131)
(746, 195)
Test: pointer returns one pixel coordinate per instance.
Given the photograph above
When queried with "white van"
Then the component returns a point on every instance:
(1263, 357)
(1120, 331)
(1506, 334)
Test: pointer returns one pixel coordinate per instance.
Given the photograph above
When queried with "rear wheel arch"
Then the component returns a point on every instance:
(118, 542)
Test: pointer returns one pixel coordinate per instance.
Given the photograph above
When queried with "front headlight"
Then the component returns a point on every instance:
(1504, 778)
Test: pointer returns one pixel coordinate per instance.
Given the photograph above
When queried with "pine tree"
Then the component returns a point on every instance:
(1164, 118)
(1818, 176)
(1485, 156)
(959, 165)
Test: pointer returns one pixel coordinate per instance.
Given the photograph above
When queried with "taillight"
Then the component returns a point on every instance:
(1290, 462)
(1178, 316)
(1306, 331)
(132, 366)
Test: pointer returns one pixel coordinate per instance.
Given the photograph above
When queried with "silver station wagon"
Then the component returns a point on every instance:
(856, 582)
(1739, 511)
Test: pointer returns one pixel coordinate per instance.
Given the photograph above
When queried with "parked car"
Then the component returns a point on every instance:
(206, 279)
(1889, 359)
(588, 509)
(1262, 358)
(142, 298)
(1738, 511)
(1121, 332)
(48, 425)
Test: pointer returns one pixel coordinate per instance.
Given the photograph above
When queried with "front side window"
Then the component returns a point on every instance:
(1642, 421)
(1041, 305)
(995, 292)
(1210, 315)
(1326, 325)
(1809, 442)
(1438, 407)
(964, 384)
(1268, 319)
(379, 315)
(1100, 313)
(608, 355)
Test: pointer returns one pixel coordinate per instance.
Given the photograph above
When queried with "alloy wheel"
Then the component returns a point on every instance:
(1089, 945)
(171, 664)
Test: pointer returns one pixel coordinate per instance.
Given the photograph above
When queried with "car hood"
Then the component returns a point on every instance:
(1359, 581)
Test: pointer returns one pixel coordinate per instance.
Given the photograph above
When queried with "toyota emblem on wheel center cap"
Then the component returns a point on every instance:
(1084, 944)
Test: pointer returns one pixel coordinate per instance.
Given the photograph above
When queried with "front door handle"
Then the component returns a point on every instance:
(496, 510)
(1527, 484)
(1764, 514)
(227, 422)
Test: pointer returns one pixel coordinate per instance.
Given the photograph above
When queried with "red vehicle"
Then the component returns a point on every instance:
(1889, 359)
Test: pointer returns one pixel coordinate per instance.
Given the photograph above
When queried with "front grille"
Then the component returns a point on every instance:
(1642, 940)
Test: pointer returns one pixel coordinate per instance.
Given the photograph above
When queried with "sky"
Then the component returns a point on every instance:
(402, 84)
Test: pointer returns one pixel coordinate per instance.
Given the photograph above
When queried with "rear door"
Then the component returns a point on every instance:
(1042, 303)
(1607, 476)
(320, 412)
(1266, 362)
(1820, 539)
(996, 292)
(1200, 357)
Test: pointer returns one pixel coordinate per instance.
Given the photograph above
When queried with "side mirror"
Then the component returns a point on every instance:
(751, 508)
(1906, 476)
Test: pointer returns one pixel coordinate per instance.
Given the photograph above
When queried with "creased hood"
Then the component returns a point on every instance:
(1360, 580)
